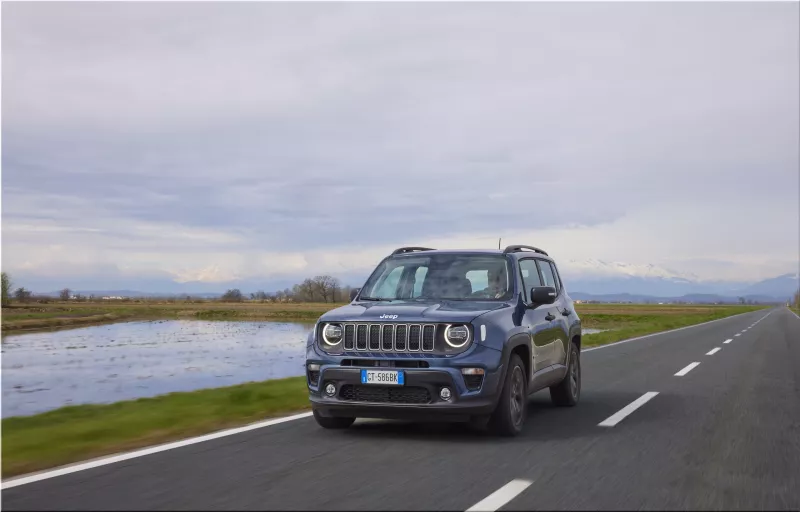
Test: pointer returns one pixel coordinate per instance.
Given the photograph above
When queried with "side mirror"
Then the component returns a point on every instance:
(353, 293)
(543, 295)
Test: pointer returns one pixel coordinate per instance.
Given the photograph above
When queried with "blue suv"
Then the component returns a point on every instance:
(462, 335)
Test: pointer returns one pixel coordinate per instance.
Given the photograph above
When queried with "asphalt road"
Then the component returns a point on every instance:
(724, 435)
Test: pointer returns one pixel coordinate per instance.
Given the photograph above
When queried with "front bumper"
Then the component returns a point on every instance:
(418, 398)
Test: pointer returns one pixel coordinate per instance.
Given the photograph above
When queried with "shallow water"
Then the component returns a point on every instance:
(123, 361)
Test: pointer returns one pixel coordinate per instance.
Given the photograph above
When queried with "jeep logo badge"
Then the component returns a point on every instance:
(392, 317)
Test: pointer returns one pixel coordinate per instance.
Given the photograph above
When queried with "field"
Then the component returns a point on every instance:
(31, 317)
(80, 432)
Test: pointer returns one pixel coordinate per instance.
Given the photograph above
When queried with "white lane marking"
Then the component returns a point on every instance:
(687, 369)
(795, 314)
(501, 496)
(660, 333)
(728, 340)
(737, 334)
(625, 411)
(147, 451)
(713, 351)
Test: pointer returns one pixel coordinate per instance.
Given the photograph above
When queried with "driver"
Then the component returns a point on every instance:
(496, 287)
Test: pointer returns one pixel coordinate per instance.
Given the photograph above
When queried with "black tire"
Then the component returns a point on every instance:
(333, 422)
(567, 392)
(509, 415)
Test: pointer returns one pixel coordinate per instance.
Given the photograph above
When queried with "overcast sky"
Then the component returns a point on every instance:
(145, 144)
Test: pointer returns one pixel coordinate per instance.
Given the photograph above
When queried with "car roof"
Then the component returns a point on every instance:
(497, 252)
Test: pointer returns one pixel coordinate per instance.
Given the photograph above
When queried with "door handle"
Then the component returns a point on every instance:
(550, 317)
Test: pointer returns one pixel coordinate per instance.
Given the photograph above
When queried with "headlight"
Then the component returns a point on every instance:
(332, 334)
(456, 336)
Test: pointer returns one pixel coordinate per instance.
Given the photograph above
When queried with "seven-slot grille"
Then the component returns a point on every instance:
(389, 337)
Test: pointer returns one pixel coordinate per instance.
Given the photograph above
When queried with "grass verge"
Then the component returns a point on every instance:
(75, 433)
(626, 321)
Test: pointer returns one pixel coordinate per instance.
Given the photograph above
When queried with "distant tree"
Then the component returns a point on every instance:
(233, 295)
(325, 286)
(6, 289)
(797, 299)
(22, 295)
(65, 294)
(741, 300)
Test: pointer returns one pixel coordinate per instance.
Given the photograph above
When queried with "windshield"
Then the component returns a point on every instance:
(440, 277)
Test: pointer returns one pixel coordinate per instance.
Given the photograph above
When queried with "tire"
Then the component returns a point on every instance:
(508, 417)
(333, 422)
(567, 392)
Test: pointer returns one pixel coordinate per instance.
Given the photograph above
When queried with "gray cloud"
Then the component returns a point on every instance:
(270, 128)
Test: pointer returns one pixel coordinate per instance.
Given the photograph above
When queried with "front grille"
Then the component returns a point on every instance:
(384, 363)
(399, 395)
(389, 337)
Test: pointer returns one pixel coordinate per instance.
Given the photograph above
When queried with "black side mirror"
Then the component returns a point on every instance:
(353, 293)
(543, 295)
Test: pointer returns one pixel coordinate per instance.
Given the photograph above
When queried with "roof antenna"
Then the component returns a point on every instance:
(498, 242)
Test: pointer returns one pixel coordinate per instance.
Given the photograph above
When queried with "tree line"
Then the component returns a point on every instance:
(323, 288)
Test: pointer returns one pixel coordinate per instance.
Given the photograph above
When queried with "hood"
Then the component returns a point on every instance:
(412, 311)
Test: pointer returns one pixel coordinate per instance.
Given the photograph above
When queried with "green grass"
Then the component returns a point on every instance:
(632, 321)
(75, 433)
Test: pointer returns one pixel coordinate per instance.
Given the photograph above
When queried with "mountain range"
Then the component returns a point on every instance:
(585, 280)
(602, 279)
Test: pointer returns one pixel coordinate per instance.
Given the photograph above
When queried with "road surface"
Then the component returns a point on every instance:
(654, 429)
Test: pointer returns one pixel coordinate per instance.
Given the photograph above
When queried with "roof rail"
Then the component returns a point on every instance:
(403, 250)
(517, 248)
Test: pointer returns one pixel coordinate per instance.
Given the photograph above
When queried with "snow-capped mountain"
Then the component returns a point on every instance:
(599, 277)
(600, 268)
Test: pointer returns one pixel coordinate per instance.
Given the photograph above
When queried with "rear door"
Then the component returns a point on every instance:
(538, 326)
(558, 332)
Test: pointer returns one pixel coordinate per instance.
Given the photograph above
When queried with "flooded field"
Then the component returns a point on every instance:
(124, 361)
(108, 363)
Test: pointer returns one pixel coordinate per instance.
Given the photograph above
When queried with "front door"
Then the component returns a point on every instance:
(558, 337)
(539, 327)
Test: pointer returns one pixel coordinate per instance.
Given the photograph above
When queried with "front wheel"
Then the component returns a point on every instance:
(333, 422)
(567, 392)
(509, 416)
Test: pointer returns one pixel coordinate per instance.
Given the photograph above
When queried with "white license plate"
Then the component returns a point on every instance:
(382, 377)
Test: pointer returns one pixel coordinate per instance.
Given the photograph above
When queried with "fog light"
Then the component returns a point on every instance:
(330, 389)
(445, 393)
(312, 367)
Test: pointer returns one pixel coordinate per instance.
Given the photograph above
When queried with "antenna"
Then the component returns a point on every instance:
(498, 242)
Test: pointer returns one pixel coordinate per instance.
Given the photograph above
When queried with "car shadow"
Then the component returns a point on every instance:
(544, 421)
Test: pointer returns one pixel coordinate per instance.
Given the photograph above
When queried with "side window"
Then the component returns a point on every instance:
(530, 276)
(419, 280)
(547, 274)
(388, 288)
(558, 277)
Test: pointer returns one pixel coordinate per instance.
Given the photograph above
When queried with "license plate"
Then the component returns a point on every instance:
(382, 377)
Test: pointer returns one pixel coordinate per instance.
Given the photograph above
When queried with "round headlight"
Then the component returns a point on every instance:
(456, 336)
(332, 334)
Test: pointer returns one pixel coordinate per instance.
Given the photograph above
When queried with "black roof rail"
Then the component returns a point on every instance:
(403, 250)
(516, 248)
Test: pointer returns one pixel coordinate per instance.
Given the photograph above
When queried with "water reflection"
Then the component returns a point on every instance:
(108, 363)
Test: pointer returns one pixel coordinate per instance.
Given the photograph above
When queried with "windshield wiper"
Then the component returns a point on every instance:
(379, 299)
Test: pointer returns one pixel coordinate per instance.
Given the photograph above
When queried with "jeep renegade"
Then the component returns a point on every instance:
(462, 335)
